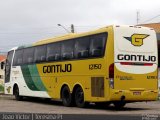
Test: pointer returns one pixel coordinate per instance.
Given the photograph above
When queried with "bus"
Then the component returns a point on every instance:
(111, 65)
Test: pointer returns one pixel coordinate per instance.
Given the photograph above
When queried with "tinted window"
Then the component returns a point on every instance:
(67, 49)
(82, 47)
(40, 53)
(28, 55)
(97, 44)
(9, 58)
(18, 59)
(53, 52)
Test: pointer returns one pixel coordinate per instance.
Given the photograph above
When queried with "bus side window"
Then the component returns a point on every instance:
(53, 52)
(18, 59)
(40, 53)
(97, 45)
(28, 55)
(67, 49)
(82, 47)
(50, 58)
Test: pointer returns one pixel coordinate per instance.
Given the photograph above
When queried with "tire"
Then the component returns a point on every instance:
(119, 104)
(79, 98)
(16, 94)
(66, 96)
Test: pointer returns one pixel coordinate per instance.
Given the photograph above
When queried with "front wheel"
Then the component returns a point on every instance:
(79, 98)
(16, 94)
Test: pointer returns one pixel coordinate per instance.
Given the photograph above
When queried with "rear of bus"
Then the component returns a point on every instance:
(135, 64)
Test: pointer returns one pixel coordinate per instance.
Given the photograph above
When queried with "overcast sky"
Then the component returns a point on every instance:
(27, 21)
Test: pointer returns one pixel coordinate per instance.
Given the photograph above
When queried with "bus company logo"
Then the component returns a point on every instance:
(137, 39)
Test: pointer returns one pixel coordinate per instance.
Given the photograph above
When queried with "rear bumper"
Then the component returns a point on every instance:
(128, 95)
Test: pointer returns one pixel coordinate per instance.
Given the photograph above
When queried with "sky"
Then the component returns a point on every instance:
(27, 21)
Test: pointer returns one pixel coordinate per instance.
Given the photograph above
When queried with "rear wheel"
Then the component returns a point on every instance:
(66, 96)
(79, 98)
(16, 94)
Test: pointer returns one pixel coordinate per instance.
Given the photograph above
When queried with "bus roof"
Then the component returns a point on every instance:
(75, 35)
(70, 36)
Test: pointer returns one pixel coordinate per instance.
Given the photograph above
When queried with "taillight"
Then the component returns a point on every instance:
(111, 75)
(111, 71)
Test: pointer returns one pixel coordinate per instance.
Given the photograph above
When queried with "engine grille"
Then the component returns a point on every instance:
(97, 86)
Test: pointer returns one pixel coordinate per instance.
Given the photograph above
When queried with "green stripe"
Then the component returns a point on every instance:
(32, 78)
(36, 78)
(28, 78)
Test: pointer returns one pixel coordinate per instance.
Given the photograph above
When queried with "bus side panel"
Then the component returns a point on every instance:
(83, 73)
(28, 81)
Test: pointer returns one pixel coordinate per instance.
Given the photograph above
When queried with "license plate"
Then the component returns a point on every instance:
(137, 93)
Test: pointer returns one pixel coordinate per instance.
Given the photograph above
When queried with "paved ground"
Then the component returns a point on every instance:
(33, 105)
(9, 104)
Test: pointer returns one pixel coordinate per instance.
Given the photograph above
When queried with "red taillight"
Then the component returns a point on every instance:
(111, 71)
